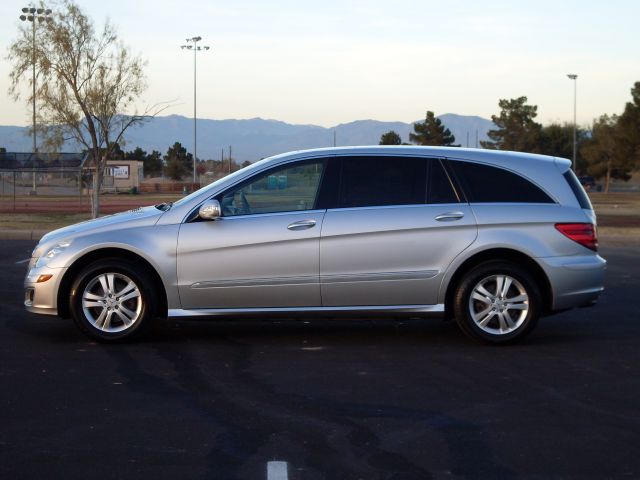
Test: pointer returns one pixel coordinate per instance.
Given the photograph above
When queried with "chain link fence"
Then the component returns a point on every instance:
(60, 183)
(37, 182)
(41, 191)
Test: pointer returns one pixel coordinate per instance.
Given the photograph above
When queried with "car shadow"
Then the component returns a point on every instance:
(425, 332)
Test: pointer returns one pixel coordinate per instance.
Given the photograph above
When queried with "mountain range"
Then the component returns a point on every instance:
(256, 138)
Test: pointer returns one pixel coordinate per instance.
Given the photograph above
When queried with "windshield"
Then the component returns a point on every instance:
(213, 185)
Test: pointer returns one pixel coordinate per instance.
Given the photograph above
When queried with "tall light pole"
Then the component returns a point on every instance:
(574, 77)
(196, 48)
(32, 14)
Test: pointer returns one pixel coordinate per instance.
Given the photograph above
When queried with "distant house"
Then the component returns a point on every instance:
(122, 175)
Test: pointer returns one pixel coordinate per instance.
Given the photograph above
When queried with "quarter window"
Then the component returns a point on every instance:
(487, 184)
(290, 188)
(577, 189)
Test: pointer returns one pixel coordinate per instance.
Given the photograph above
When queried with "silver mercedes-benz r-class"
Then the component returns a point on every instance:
(492, 239)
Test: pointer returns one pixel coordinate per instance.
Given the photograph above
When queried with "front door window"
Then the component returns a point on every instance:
(287, 189)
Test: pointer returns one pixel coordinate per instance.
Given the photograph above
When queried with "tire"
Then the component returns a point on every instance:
(111, 300)
(481, 308)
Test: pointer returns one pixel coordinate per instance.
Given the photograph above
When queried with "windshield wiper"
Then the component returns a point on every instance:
(164, 206)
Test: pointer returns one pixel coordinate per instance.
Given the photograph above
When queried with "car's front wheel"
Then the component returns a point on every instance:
(498, 302)
(111, 300)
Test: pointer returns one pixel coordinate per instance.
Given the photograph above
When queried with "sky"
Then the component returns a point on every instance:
(337, 61)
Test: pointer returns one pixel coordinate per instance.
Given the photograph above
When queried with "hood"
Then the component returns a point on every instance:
(137, 217)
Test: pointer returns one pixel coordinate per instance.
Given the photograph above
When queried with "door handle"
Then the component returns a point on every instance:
(302, 225)
(449, 216)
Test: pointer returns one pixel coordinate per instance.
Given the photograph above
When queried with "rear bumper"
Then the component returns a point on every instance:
(576, 281)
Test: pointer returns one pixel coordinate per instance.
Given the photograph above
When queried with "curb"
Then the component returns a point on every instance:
(22, 234)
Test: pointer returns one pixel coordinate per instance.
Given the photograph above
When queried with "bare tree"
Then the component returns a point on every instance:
(88, 86)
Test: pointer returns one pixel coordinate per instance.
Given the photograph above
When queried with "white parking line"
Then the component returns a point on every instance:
(23, 261)
(277, 471)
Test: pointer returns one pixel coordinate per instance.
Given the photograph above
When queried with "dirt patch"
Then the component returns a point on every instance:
(612, 236)
(619, 221)
(61, 205)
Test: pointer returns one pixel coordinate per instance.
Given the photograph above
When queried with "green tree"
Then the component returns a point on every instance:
(88, 84)
(136, 154)
(116, 152)
(557, 140)
(178, 161)
(604, 154)
(628, 128)
(153, 164)
(246, 163)
(432, 132)
(516, 127)
(390, 138)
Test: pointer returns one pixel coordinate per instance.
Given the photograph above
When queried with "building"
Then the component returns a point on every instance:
(123, 176)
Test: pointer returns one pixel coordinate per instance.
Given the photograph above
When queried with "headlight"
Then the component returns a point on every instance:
(51, 254)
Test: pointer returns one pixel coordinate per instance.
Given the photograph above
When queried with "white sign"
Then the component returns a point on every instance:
(117, 171)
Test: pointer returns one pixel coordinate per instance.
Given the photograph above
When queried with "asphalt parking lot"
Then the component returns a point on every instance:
(334, 399)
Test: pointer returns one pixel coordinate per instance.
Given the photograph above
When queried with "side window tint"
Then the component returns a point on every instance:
(487, 184)
(578, 191)
(329, 193)
(285, 189)
(380, 181)
(440, 187)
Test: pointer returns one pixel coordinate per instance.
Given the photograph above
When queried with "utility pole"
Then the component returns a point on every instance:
(33, 14)
(195, 49)
(574, 77)
(229, 158)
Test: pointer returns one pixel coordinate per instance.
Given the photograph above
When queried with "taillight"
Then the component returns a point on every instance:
(583, 233)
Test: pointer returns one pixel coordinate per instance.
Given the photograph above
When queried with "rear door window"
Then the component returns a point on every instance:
(441, 188)
(381, 181)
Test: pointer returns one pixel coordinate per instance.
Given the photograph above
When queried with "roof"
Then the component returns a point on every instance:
(519, 161)
(449, 152)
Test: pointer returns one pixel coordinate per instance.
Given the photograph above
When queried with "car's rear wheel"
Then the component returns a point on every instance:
(497, 302)
(111, 300)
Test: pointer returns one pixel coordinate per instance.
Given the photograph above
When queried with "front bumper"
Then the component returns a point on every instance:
(576, 281)
(42, 297)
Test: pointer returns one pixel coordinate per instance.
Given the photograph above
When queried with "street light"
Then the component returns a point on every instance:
(196, 48)
(574, 77)
(32, 14)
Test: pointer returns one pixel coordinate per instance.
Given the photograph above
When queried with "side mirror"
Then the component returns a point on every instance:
(210, 210)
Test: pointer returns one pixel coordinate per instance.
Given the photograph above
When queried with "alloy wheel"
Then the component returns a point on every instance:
(112, 302)
(499, 304)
